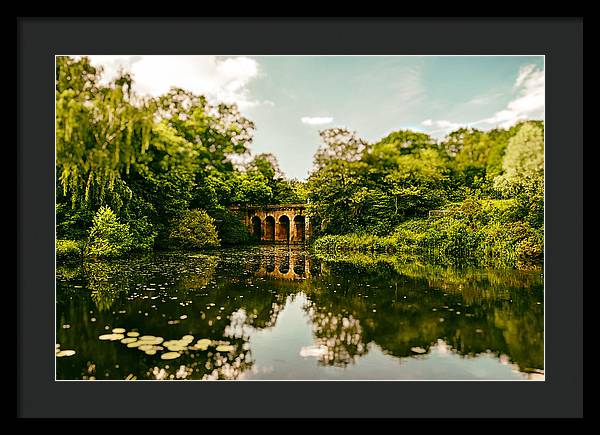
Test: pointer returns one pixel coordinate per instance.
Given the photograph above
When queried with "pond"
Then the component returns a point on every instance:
(283, 313)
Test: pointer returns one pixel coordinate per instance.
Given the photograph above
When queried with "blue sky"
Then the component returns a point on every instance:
(291, 98)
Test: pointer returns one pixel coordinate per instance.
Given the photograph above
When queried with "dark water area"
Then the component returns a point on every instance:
(280, 313)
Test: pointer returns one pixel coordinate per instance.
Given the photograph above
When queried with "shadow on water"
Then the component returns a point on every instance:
(346, 317)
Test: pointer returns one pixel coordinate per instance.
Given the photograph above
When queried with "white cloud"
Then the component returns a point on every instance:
(447, 124)
(443, 125)
(219, 79)
(316, 120)
(524, 72)
(529, 102)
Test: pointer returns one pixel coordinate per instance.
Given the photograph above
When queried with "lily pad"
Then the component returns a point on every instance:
(129, 340)
(135, 343)
(202, 344)
(65, 353)
(118, 330)
(133, 334)
(170, 355)
(225, 348)
(106, 337)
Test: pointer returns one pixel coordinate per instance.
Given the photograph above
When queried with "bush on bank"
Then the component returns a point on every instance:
(194, 229)
(108, 237)
(230, 229)
(487, 233)
(68, 250)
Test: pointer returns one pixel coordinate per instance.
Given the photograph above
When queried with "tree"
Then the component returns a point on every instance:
(195, 229)
(523, 163)
(100, 133)
(335, 178)
(108, 237)
(417, 183)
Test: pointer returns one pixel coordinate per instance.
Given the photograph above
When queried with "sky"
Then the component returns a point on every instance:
(291, 98)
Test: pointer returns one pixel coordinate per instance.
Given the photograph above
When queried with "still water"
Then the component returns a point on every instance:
(273, 312)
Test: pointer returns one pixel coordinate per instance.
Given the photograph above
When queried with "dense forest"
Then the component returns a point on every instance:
(137, 174)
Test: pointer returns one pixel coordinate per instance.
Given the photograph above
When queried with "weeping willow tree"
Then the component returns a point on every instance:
(101, 130)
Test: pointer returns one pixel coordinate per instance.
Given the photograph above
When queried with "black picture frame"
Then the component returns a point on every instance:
(560, 40)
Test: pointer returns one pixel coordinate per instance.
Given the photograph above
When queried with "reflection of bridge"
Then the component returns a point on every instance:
(276, 223)
(290, 266)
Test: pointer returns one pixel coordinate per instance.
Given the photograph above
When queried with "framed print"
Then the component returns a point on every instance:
(313, 216)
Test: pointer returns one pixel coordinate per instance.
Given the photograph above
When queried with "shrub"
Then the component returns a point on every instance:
(108, 237)
(193, 230)
(529, 252)
(449, 240)
(72, 224)
(143, 234)
(68, 250)
(230, 228)
(512, 245)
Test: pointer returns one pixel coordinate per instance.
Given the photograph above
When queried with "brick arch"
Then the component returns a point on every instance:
(283, 228)
(257, 225)
(270, 225)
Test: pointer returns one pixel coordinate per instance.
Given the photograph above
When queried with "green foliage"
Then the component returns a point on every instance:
(68, 250)
(195, 229)
(100, 132)
(143, 234)
(108, 237)
(149, 159)
(523, 163)
(230, 228)
(401, 142)
(140, 171)
(362, 187)
(477, 232)
(73, 223)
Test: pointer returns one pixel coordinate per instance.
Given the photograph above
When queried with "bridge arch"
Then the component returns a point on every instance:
(256, 227)
(284, 229)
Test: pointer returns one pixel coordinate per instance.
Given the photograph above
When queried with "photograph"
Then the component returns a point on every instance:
(322, 217)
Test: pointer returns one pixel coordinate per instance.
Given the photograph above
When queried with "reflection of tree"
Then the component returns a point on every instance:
(524, 336)
(201, 271)
(473, 311)
(393, 304)
(340, 335)
(143, 293)
(106, 281)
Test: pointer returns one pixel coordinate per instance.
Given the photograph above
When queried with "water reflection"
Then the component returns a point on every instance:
(280, 263)
(279, 313)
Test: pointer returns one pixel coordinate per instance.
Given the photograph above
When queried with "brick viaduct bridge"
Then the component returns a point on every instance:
(286, 223)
